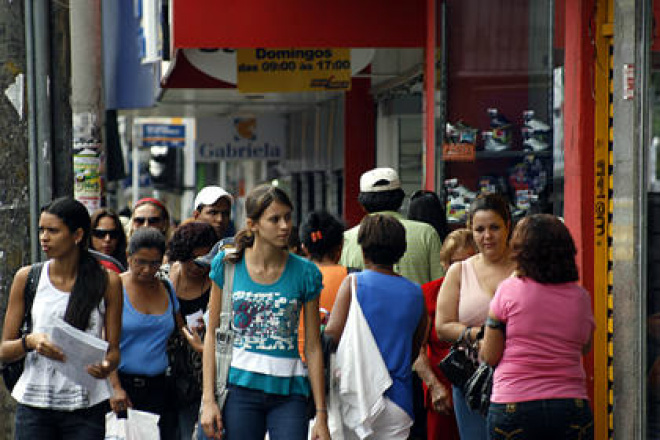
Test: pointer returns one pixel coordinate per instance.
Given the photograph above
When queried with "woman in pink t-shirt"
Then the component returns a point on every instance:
(539, 326)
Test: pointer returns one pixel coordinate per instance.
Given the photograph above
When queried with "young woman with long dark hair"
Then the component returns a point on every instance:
(268, 383)
(75, 288)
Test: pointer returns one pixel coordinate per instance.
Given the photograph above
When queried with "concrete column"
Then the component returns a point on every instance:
(632, 21)
(87, 101)
(14, 169)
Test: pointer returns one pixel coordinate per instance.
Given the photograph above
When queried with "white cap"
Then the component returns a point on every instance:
(210, 195)
(379, 179)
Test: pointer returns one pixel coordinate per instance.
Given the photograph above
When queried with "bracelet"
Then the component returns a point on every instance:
(325, 410)
(24, 343)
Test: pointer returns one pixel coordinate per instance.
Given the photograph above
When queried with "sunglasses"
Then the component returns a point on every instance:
(149, 220)
(154, 264)
(102, 233)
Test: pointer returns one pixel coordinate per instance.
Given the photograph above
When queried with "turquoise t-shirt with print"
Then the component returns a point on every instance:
(265, 321)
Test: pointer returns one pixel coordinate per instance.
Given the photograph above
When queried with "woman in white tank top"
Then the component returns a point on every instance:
(72, 287)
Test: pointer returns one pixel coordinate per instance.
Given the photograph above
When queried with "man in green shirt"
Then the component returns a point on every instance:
(381, 193)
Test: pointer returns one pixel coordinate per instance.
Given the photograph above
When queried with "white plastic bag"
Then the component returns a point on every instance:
(139, 425)
(115, 428)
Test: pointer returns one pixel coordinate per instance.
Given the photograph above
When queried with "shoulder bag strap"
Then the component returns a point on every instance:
(228, 286)
(29, 293)
(171, 295)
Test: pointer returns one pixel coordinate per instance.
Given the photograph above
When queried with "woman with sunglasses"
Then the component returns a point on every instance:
(150, 316)
(193, 287)
(74, 288)
(108, 238)
(150, 212)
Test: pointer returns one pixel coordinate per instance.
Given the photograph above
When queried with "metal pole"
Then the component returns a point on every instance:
(429, 97)
(33, 144)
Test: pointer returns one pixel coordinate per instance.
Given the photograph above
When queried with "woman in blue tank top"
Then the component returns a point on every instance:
(394, 309)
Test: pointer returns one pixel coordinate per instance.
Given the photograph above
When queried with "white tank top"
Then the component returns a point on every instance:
(41, 385)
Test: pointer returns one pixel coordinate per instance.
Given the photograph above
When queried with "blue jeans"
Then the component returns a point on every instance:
(471, 424)
(187, 417)
(50, 424)
(568, 419)
(248, 414)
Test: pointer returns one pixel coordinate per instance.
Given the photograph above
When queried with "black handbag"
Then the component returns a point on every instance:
(11, 371)
(478, 388)
(185, 364)
(461, 361)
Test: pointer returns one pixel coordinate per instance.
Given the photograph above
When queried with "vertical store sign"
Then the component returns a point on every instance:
(240, 138)
(150, 34)
(264, 70)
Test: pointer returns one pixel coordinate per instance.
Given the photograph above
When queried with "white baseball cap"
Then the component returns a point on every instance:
(210, 195)
(379, 179)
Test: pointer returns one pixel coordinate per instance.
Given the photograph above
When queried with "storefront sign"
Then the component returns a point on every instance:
(240, 138)
(293, 70)
(163, 135)
(458, 152)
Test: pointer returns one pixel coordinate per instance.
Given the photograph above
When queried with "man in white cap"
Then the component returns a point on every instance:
(381, 193)
(213, 206)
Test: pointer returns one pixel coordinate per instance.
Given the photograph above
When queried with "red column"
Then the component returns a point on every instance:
(579, 134)
(359, 144)
(579, 137)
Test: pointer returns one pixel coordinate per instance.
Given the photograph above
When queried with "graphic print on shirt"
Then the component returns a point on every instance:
(265, 320)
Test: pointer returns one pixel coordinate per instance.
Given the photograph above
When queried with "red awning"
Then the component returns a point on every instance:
(299, 23)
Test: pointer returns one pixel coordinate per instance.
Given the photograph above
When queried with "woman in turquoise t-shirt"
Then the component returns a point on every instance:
(268, 384)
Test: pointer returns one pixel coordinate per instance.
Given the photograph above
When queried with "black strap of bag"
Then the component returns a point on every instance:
(11, 371)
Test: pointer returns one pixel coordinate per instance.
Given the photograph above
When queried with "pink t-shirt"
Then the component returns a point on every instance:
(546, 328)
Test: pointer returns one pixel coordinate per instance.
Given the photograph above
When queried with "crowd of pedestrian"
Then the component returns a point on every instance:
(333, 332)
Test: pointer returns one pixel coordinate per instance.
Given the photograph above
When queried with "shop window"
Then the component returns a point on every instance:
(502, 87)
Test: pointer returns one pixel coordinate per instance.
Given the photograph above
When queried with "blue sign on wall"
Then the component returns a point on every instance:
(166, 135)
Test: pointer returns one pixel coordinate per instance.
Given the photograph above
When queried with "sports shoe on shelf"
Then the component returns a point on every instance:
(533, 141)
(492, 144)
(501, 127)
(534, 124)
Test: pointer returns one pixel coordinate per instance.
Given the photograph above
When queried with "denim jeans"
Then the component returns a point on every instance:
(248, 414)
(187, 417)
(50, 424)
(471, 424)
(568, 419)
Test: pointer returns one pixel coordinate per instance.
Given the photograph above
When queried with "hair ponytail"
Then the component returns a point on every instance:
(87, 292)
(243, 240)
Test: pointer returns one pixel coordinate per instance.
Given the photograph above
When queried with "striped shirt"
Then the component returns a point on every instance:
(265, 320)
